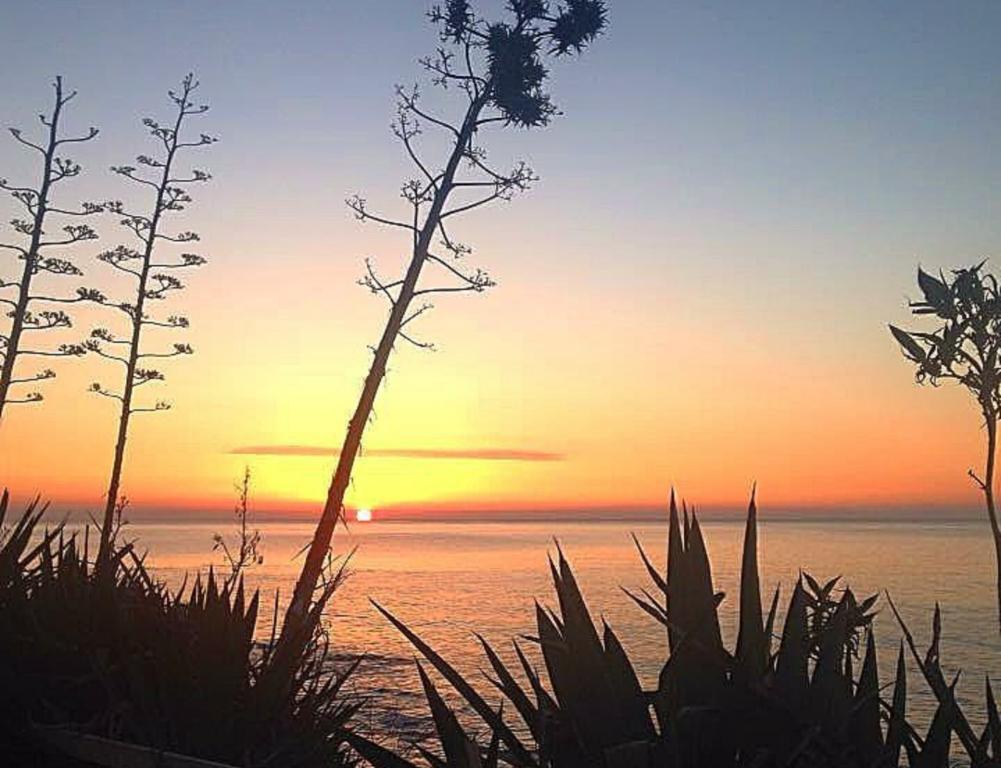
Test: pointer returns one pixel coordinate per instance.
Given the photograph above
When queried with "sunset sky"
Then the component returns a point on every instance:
(696, 294)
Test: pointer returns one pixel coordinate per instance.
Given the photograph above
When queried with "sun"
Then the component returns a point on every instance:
(363, 515)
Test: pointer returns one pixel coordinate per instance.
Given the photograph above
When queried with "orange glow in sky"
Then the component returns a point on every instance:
(517, 410)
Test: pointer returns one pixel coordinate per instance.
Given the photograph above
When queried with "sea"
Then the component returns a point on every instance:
(448, 579)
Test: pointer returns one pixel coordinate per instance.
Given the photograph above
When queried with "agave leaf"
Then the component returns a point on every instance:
(569, 738)
(791, 673)
(376, 754)
(649, 607)
(13, 556)
(238, 607)
(654, 573)
(553, 572)
(993, 721)
(704, 600)
(770, 623)
(510, 688)
(826, 590)
(675, 565)
(629, 700)
(579, 628)
(865, 729)
(558, 745)
(933, 676)
(566, 685)
(693, 678)
(544, 701)
(935, 750)
(250, 617)
(868, 603)
(829, 702)
(463, 687)
(211, 594)
(896, 731)
(460, 752)
(17, 542)
(591, 698)
(932, 654)
(752, 653)
(815, 588)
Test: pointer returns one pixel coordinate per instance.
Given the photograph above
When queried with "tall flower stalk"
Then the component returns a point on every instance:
(20, 294)
(152, 278)
(499, 69)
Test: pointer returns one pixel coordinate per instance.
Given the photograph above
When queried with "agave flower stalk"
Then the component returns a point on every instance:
(20, 294)
(498, 68)
(152, 279)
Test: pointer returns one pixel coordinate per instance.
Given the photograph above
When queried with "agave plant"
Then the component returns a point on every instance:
(18, 570)
(128, 659)
(797, 704)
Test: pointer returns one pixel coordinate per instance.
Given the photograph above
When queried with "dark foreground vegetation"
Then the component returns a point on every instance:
(118, 655)
(786, 698)
(131, 662)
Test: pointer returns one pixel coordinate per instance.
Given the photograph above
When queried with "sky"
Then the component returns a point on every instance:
(731, 209)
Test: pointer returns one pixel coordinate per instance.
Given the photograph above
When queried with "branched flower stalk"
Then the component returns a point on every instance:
(498, 68)
(19, 294)
(246, 551)
(151, 276)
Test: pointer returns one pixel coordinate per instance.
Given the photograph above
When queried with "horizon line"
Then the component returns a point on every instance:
(848, 512)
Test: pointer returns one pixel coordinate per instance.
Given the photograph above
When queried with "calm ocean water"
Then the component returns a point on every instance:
(449, 579)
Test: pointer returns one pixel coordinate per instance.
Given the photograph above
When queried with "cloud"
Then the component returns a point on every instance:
(474, 454)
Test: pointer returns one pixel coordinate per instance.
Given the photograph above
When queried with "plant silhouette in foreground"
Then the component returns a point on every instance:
(120, 656)
(965, 348)
(20, 293)
(799, 704)
(500, 72)
(151, 275)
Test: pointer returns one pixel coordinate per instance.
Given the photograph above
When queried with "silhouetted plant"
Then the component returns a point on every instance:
(119, 655)
(20, 294)
(798, 705)
(247, 550)
(965, 348)
(499, 69)
(152, 277)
